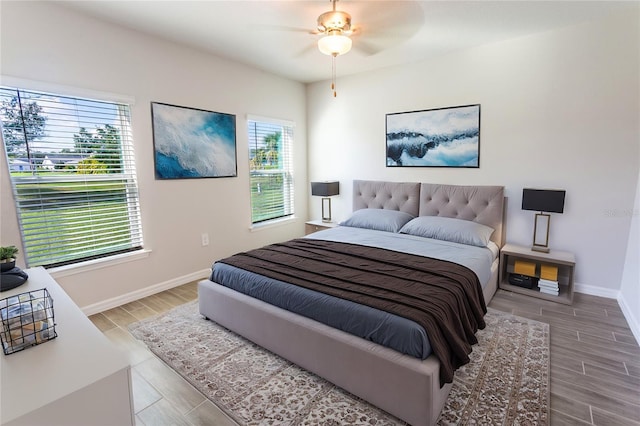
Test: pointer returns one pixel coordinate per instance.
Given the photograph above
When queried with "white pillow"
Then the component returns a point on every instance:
(449, 229)
(378, 219)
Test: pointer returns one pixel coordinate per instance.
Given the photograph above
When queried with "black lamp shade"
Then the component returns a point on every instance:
(325, 189)
(543, 200)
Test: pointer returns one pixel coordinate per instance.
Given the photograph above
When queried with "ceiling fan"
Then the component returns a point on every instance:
(336, 27)
(380, 25)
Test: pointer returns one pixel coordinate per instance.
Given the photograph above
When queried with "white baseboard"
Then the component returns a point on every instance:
(147, 291)
(630, 316)
(596, 291)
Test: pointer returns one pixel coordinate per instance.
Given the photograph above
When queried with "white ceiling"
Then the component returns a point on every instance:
(275, 35)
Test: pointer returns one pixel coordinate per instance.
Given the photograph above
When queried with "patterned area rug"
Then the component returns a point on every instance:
(506, 382)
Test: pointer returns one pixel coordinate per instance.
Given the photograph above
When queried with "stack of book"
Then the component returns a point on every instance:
(548, 282)
(548, 287)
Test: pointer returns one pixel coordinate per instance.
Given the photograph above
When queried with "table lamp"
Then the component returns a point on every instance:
(545, 201)
(325, 189)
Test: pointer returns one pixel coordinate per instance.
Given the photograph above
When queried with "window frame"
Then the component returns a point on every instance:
(127, 173)
(288, 172)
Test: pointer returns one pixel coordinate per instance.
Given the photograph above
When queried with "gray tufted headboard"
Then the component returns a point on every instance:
(477, 203)
(371, 194)
(482, 204)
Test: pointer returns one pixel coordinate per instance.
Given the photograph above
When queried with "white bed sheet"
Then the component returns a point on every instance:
(478, 259)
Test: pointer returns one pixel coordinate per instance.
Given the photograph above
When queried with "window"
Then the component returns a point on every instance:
(271, 169)
(73, 176)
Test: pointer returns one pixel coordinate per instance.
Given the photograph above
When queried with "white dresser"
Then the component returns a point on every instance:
(78, 378)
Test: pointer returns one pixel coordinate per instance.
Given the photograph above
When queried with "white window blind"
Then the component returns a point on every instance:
(271, 169)
(73, 176)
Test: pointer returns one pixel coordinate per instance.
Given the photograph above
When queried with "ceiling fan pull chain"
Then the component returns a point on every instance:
(333, 74)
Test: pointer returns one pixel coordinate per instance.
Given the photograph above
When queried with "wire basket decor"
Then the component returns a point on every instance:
(27, 320)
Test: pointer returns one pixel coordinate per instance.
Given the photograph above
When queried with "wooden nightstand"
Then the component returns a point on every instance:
(564, 262)
(317, 225)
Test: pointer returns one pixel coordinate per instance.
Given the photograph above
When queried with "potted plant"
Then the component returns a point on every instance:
(8, 257)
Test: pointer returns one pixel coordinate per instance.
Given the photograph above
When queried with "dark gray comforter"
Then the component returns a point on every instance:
(375, 325)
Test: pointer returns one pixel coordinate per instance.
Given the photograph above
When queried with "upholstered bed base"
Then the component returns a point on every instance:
(404, 386)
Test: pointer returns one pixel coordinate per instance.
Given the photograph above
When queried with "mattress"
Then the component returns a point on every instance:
(395, 332)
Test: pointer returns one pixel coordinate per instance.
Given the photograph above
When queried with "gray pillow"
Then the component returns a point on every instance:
(378, 219)
(449, 229)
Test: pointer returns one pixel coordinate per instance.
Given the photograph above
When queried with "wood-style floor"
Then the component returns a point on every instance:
(595, 361)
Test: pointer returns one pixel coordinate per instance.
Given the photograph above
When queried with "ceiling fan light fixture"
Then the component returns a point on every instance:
(334, 20)
(334, 44)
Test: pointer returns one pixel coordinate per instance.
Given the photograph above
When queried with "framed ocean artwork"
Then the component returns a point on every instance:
(442, 137)
(193, 143)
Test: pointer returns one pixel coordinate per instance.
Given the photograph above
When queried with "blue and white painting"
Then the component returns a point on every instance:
(444, 137)
(193, 143)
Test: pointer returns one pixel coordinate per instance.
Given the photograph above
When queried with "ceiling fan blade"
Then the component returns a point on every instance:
(263, 27)
(379, 27)
(307, 50)
(366, 47)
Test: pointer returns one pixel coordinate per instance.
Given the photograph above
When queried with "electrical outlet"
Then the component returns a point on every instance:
(205, 239)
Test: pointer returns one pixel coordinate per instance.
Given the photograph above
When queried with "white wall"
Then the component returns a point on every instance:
(558, 110)
(630, 289)
(61, 47)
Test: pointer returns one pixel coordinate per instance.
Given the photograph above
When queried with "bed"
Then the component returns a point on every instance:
(403, 384)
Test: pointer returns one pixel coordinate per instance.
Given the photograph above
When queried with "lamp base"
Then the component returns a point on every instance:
(541, 233)
(326, 209)
(540, 249)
